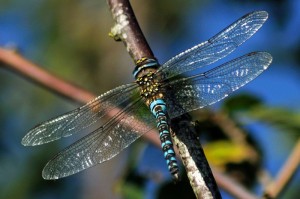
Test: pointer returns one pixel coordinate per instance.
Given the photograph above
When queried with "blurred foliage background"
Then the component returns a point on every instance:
(69, 39)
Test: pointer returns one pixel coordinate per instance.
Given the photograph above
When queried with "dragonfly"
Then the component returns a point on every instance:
(159, 94)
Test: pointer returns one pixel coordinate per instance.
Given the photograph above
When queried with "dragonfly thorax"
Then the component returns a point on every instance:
(150, 87)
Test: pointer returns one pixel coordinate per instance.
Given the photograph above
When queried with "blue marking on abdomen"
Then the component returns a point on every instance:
(159, 110)
(162, 104)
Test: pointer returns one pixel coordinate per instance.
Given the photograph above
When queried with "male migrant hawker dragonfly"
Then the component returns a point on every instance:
(147, 103)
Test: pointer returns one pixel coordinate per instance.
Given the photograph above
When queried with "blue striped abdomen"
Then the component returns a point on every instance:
(158, 108)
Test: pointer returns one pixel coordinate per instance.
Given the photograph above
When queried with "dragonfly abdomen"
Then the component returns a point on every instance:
(153, 95)
(159, 110)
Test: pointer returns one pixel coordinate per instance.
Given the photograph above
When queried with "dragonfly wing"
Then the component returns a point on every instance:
(80, 118)
(207, 88)
(215, 48)
(102, 144)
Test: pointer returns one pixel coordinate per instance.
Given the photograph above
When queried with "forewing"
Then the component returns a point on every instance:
(207, 88)
(215, 48)
(102, 144)
(80, 118)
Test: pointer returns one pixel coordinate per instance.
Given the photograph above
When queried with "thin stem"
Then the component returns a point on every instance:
(127, 29)
(233, 187)
(285, 174)
(34, 73)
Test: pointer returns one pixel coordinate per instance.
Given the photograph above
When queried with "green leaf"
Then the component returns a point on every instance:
(281, 118)
(241, 102)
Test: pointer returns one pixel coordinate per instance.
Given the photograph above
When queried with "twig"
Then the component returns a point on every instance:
(193, 158)
(233, 187)
(128, 30)
(34, 73)
(285, 174)
(190, 150)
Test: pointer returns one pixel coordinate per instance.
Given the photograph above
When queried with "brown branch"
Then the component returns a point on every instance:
(127, 29)
(285, 174)
(232, 187)
(193, 158)
(15, 62)
(34, 73)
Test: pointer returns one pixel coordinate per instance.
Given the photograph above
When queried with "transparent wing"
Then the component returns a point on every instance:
(207, 88)
(80, 118)
(215, 48)
(102, 144)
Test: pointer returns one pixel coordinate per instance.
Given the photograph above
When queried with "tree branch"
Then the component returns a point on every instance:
(285, 174)
(36, 74)
(126, 28)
